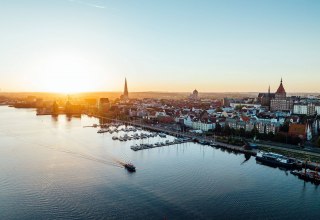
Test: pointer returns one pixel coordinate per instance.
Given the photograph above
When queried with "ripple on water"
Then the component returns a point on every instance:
(178, 182)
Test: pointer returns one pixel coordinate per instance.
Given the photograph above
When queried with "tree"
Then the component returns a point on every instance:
(218, 128)
(270, 135)
(233, 131)
(279, 137)
(318, 142)
(227, 130)
(285, 127)
(238, 107)
(242, 132)
(254, 131)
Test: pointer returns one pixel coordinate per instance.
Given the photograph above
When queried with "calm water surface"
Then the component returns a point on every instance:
(53, 168)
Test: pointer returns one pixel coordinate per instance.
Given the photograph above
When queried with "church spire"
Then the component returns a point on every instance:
(125, 92)
(281, 89)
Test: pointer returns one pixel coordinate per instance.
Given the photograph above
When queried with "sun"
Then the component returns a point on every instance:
(66, 72)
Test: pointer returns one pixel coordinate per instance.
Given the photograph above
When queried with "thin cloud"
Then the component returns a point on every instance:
(87, 4)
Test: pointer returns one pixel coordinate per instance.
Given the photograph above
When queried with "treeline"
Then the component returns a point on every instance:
(281, 136)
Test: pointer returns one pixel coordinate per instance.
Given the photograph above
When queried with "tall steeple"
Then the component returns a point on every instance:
(269, 98)
(125, 92)
(308, 132)
(281, 89)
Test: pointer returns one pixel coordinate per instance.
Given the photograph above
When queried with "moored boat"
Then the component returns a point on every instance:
(307, 175)
(274, 159)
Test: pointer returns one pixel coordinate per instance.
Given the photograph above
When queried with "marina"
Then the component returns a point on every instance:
(182, 137)
(129, 133)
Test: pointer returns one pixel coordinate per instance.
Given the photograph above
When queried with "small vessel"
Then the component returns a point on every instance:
(204, 142)
(102, 131)
(114, 138)
(213, 144)
(130, 167)
(162, 135)
(177, 141)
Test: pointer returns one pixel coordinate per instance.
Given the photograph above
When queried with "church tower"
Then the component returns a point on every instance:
(281, 92)
(125, 92)
(280, 101)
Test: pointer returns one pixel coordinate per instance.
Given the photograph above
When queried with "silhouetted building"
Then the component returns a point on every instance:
(265, 98)
(125, 95)
(194, 95)
(73, 109)
(104, 105)
(55, 108)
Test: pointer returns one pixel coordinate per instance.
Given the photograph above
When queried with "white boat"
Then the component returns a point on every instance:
(162, 135)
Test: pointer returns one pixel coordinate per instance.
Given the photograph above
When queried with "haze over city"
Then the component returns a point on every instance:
(215, 46)
(159, 109)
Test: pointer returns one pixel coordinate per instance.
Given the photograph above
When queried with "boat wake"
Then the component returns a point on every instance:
(88, 157)
(111, 161)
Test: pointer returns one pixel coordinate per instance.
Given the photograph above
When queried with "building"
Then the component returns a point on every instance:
(265, 98)
(226, 102)
(298, 130)
(263, 126)
(306, 107)
(125, 95)
(300, 109)
(280, 102)
(194, 95)
(104, 105)
(308, 133)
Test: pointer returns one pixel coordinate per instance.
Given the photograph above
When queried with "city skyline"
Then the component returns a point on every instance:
(85, 46)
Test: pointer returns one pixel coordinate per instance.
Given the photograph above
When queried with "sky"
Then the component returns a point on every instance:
(167, 45)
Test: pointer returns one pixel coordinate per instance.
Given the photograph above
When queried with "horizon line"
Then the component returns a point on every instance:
(66, 93)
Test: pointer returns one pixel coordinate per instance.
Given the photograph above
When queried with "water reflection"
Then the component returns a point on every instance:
(72, 177)
(246, 158)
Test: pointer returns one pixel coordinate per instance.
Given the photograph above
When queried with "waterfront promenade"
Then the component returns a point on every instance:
(276, 146)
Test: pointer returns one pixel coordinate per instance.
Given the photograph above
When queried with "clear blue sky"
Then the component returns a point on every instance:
(174, 45)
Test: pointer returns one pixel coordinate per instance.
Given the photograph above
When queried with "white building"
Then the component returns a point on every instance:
(203, 125)
(300, 109)
(306, 109)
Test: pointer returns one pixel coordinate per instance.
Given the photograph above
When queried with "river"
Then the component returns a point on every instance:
(54, 168)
